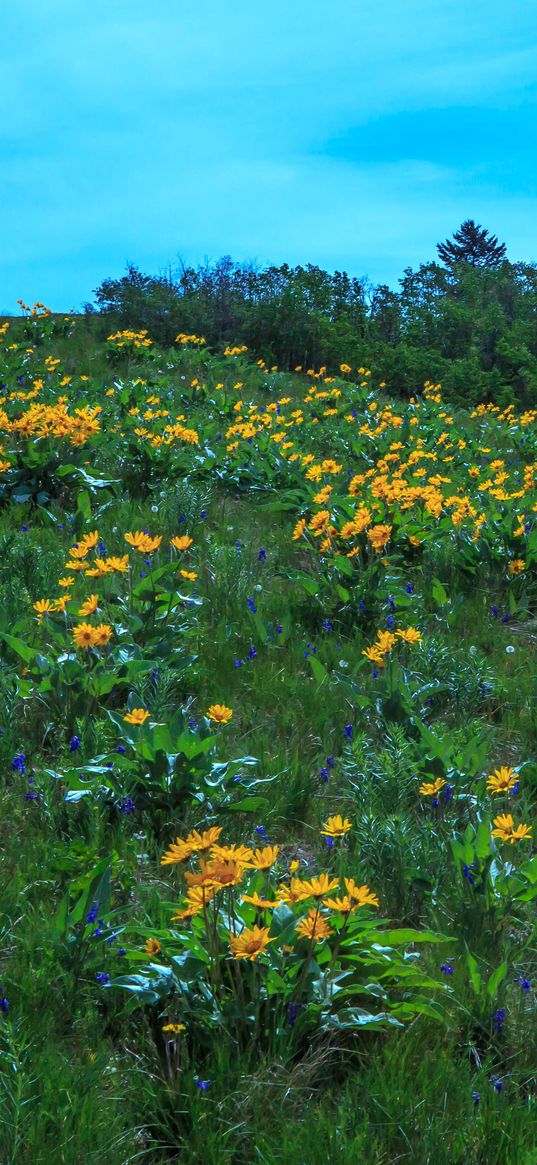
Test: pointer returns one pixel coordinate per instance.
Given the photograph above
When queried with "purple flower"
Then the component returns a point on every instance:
(409, 588)
(475, 1098)
(102, 977)
(467, 873)
(252, 605)
(74, 744)
(262, 555)
(498, 1019)
(238, 662)
(4, 1003)
(126, 806)
(347, 731)
(203, 1085)
(446, 968)
(327, 626)
(121, 749)
(325, 775)
(523, 982)
(252, 654)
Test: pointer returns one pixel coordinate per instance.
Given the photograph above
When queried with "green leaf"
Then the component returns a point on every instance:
(319, 671)
(496, 978)
(475, 976)
(26, 653)
(439, 593)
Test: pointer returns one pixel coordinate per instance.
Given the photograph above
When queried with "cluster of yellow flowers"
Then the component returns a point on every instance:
(130, 339)
(386, 640)
(223, 867)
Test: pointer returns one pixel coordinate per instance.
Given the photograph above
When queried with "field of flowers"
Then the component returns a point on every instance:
(268, 736)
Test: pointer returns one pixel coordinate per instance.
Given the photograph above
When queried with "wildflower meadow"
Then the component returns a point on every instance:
(268, 740)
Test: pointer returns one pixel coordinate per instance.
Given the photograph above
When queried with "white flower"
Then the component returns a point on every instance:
(509, 650)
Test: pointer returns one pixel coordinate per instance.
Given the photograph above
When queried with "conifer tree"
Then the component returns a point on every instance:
(472, 244)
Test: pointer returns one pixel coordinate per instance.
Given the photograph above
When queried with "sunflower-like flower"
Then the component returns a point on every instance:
(197, 898)
(103, 633)
(263, 859)
(318, 887)
(431, 788)
(250, 943)
(261, 903)
(219, 713)
(314, 927)
(410, 635)
(362, 895)
(43, 607)
(84, 635)
(506, 830)
(89, 606)
(336, 826)
(502, 780)
(137, 716)
(182, 543)
(152, 947)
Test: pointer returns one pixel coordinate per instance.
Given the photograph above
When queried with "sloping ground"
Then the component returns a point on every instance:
(268, 665)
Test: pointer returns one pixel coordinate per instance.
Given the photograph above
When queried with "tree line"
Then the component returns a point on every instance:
(467, 319)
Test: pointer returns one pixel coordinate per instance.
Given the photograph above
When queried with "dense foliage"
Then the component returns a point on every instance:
(472, 324)
(267, 662)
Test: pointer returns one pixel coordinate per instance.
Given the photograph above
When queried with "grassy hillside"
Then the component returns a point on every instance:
(268, 735)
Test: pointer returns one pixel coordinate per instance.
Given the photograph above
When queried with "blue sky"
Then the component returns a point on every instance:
(349, 133)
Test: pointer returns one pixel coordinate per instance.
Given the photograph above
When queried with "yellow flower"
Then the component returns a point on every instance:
(232, 853)
(189, 574)
(506, 830)
(318, 887)
(197, 898)
(261, 903)
(299, 529)
(362, 895)
(263, 859)
(250, 943)
(219, 713)
(341, 905)
(411, 635)
(137, 716)
(314, 927)
(43, 607)
(378, 536)
(84, 635)
(431, 788)
(517, 566)
(173, 1028)
(336, 826)
(66, 582)
(103, 633)
(89, 606)
(181, 543)
(501, 780)
(152, 947)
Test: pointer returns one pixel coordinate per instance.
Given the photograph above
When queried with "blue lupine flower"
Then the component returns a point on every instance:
(262, 556)
(524, 983)
(446, 968)
(252, 653)
(375, 673)
(327, 626)
(467, 873)
(293, 1011)
(93, 912)
(347, 731)
(498, 1019)
(331, 761)
(362, 606)
(329, 841)
(495, 611)
(325, 775)
(448, 794)
(18, 764)
(74, 744)
(260, 829)
(203, 1085)
(4, 1003)
(203, 514)
(25, 528)
(126, 805)
(102, 977)
(475, 1098)
(122, 951)
(409, 588)
(279, 629)
(238, 662)
(497, 1083)
(121, 749)
(251, 604)
(391, 603)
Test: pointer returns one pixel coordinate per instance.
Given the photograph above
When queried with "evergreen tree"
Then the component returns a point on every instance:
(472, 244)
